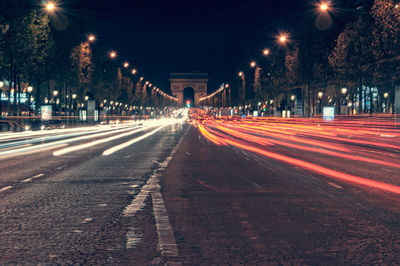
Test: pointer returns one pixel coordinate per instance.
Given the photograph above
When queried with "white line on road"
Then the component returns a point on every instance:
(87, 220)
(335, 185)
(165, 234)
(31, 179)
(5, 188)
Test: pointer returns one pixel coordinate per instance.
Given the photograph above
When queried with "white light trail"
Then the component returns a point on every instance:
(53, 145)
(127, 144)
(96, 142)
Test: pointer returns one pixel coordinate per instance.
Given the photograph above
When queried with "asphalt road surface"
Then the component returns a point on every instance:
(67, 209)
(246, 199)
(253, 192)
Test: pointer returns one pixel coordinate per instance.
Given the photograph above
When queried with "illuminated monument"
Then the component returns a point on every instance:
(189, 87)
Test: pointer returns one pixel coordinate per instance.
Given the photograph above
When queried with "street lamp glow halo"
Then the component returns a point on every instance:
(50, 6)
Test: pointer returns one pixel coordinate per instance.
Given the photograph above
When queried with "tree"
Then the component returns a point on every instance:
(353, 56)
(386, 40)
(42, 52)
(82, 67)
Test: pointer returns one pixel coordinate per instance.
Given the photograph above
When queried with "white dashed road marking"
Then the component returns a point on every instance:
(87, 220)
(5, 188)
(165, 234)
(335, 185)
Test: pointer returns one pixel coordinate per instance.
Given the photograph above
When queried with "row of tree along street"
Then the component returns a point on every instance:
(53, 55)
(352, 63)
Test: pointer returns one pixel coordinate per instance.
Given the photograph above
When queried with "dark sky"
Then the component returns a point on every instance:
(216, 37)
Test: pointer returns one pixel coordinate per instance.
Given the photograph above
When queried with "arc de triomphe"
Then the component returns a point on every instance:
(182, 81)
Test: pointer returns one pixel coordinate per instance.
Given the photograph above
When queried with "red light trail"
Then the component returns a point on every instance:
(374, 144)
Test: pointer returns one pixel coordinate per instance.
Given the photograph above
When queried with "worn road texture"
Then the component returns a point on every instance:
(227, 206)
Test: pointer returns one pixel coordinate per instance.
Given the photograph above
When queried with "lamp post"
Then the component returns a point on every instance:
(344, 92)
(320, 95)
(55, 94)
(29, 91)
(1, 92)
(73, 97)
(386, 96)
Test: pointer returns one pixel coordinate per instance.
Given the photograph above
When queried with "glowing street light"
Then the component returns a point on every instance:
(91, 38)
(55, 93)
(386, 95)
(320, 94)
(283, 38)
(241, 74)
(113, 54)
(30, 89)
(86, 98)
(134, 71)
(50, 6)
(126, 64)
(73, 96)
(266, 52)
(324, 7)
(253, 64)
(344, 91)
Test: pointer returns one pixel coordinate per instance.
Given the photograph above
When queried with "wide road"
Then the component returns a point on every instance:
(256, 191)
(286, 191)
(63, 192)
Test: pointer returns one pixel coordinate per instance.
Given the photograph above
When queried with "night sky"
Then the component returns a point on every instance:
(215, 37)
(218, 37)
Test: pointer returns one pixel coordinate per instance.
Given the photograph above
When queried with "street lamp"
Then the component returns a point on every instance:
(55, 94)
(324, 7)
(51, 6)
(240, 74)
(113, 54)
(344, 91)
(126, 65)
(29, 90)
(91, 38)
(266, 52)
(253, 64)
(386, 96)
(320, 95)
(283, 38)
(134, 71)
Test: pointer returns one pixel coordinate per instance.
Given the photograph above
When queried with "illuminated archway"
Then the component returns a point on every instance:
(196, 81)
(188, 96)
